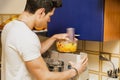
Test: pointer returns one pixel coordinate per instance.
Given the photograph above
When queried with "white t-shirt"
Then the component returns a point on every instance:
(19, 44)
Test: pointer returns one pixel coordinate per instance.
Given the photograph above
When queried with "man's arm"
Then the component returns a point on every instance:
(39, 70)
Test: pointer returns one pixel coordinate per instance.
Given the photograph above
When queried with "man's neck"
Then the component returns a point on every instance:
(27, 19)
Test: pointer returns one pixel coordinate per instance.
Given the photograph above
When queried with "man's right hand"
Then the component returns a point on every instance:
(81, 65)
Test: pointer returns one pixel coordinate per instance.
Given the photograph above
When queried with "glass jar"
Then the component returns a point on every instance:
(66, 46)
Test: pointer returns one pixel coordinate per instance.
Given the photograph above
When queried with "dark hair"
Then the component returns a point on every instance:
(33, 5)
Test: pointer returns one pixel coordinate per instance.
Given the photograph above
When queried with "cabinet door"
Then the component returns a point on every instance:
(112, 20)
(86, 16)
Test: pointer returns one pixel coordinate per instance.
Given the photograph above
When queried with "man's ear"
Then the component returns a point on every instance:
(40, 12)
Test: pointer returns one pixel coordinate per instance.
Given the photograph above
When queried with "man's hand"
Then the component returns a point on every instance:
(81, 65)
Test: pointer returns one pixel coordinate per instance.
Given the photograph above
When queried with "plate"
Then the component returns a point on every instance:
(36, 31)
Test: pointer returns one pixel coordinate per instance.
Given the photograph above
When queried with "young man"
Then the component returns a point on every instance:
(21, 48)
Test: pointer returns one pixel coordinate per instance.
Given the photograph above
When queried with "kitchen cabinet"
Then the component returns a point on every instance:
(94, 20)
(12, 6)
(112, 20)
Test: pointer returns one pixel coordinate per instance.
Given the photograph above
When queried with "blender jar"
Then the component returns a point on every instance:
(67, 45)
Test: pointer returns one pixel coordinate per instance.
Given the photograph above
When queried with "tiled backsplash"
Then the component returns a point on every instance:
(97, 67)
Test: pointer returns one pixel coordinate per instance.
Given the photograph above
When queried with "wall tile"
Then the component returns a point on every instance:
(93, 77)
(0, 19)
(111, 47)
(107, 78)
(80, 44)
(107, 65)
(92, 45)
(115, 61)
(119, 46)
(0, 53)
(93, 62)
(0, 42)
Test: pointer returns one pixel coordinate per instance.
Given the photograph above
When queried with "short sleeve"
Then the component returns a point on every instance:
(25, 41)
(30, 47)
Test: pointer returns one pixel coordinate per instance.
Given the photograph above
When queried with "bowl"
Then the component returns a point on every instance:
(66, 46)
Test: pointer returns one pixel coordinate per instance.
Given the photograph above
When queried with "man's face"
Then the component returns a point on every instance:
(44, 19)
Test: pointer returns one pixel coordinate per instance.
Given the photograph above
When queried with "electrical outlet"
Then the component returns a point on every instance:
(105, 56)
